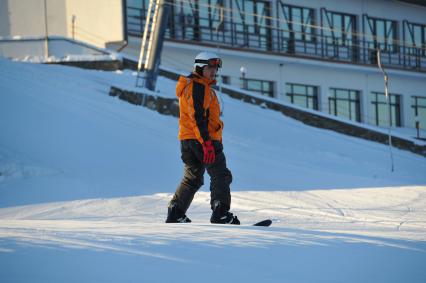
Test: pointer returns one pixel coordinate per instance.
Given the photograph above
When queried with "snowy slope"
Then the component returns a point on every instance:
(85, 180)
(59, 126)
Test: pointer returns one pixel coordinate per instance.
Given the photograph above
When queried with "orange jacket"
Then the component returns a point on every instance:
(199, 109)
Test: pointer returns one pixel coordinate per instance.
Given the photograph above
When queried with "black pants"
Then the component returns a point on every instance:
(193, 179)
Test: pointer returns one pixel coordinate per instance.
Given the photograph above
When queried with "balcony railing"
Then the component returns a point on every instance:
(352, 49)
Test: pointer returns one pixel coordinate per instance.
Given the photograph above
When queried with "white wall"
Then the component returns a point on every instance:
(97, 21)
(27, 18)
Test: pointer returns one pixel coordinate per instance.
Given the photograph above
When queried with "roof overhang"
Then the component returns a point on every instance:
(415, 2)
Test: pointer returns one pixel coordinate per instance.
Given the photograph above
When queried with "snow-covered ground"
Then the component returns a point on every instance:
(32, 49)
(85, 179)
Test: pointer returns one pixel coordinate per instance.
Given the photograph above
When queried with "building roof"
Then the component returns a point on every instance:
(416, 2)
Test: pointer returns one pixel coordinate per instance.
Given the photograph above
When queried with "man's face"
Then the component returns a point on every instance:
(209, 72)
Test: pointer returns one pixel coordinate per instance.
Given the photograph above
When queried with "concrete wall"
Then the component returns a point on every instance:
(97, 21)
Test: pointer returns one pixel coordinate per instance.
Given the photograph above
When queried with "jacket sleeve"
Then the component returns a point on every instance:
(196, 112)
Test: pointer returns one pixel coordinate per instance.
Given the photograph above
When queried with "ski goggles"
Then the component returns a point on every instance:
(214, 62)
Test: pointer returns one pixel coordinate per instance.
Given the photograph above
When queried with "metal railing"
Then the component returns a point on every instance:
(353, 49)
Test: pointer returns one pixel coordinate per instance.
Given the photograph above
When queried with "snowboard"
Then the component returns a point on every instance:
(264, 223)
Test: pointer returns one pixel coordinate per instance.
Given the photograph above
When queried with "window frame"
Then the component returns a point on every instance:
(415, 107)
(333, 100)
(396, 104)
(354, 22)
(307, 96)
(406, 26)
(371, 34)
(281, 5)
(245, 82)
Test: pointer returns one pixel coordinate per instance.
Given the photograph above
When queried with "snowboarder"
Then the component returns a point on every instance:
(200, 135)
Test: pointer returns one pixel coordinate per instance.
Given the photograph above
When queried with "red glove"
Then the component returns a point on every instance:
(209, 155)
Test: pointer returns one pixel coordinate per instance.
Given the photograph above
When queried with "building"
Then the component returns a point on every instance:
(316, 54)
(319, 55)
(95, 21)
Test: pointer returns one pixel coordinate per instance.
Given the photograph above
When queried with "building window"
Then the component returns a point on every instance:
(381, 111)
(345, 103)
(196, 20)
(226, 80)
(303, 95)
(415, 37)
(382, 33)
(297, 26)
(419, 106)
(251, 24)
(259, 86)
(340, 35)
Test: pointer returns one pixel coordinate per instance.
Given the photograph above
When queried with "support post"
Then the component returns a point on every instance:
(153, 63)
(386, 79)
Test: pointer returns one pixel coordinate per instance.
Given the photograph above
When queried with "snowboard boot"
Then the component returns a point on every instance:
(175, 215)
(221, 215)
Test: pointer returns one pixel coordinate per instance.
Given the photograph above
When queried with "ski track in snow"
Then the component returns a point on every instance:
(13, 167)
(305, 228)
(305, 211)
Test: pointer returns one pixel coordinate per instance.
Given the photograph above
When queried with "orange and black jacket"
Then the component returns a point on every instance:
(199, 109)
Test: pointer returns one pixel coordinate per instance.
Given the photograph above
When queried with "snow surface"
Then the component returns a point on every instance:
(85, 179)
(61, 49)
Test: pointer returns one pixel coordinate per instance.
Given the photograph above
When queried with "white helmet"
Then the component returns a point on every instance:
(207, 58)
